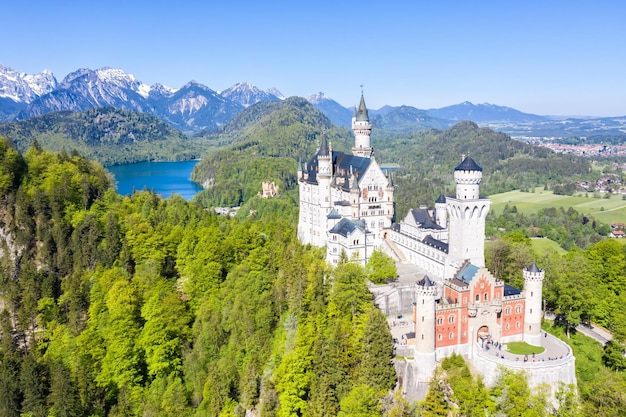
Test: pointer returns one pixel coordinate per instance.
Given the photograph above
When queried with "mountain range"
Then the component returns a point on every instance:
(195, 107)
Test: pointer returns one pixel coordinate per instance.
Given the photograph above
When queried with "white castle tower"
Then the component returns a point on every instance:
(441, 216)
(533, 287)
(324, 175)
(425, 296)
(467, 212)
(362, 129)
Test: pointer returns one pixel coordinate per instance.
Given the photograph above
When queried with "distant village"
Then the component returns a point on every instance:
(588, 150)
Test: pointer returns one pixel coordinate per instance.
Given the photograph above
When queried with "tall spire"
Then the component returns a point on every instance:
(362, 115)
(362, 129)
(323, 145)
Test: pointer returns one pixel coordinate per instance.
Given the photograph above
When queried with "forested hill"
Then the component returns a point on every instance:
(263, 143)
(108, 135)
(427, 160)
(140, 306)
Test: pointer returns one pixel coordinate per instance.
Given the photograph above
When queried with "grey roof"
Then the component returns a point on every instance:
(347, 226)
(323, 146)
(423, 218)
(440, 199)
(533, 268)
(334, 214)
(468, 164)
(466, 272)
(362, 115)
(355, 185)
(425, 282)
(437, 244)
(343, 165)
(508, 290)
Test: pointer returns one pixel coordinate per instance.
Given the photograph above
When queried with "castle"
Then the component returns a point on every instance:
(347, 205)
(346, 201)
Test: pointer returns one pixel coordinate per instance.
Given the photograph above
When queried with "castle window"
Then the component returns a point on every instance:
(439, 321)
(422, 319)
(507, 311)
(485, 297)
(530, 327)
(518, 309)
(439, 337)
(451, 335)
(517, 325)
(477, 297)
(422, 337)
(531, 311)
(451, 319)
(531, 293)
(507, 326)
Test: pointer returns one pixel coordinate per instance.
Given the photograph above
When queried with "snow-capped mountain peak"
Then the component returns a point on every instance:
(318, 97)
(24, 88)
(247, 94)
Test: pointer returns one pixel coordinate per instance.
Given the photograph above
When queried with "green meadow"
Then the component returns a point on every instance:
(545, 245)
(606, 210)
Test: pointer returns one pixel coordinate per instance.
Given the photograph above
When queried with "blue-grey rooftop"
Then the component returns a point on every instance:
(509, 290)
(533, 268)
(466, 273)
(346, 226)
(468, 164)
(422, 217)
(334, 214)
(434, 243)
(426, 282)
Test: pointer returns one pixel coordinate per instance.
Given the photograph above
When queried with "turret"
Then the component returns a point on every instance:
(362, 129)
(425, 296)
(466, 230)
(468, 175)
(424, 317)
(441, 216)
(533, 290)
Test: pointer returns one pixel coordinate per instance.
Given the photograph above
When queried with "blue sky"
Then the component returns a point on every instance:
(544, 57)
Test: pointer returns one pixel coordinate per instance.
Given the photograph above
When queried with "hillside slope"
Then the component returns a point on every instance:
(263, 143)
(108, 135)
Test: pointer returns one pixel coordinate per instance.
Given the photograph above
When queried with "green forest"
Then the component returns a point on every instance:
(107, 135)
(140, 306)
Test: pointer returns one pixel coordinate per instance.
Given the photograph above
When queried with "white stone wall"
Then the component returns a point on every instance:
(549, 372)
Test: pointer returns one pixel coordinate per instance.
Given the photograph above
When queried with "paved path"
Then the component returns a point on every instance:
(595, 332)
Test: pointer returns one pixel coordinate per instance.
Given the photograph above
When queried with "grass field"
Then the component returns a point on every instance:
(546, 245)
(605, 210)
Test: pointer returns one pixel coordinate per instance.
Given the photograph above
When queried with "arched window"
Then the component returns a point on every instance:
(517, 325)
(485, 297)
(477, 297)
(439, 337)
(518, 308)
(439, 321)
(507, 326)
(451, 335)
(507, 310)
(451, 319)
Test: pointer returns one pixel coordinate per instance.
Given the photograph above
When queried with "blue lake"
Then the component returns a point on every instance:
(165, 178)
